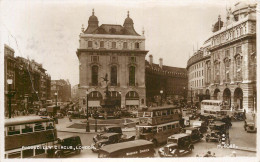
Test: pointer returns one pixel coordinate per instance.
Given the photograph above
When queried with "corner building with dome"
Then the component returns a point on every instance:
(118, 52)
(225, 66)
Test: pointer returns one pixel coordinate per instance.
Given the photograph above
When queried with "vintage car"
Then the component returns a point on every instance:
(105, 139)
(108, 129)
(66, 145)
(131, 149)
(196, 135)
(177, 145)
(218, 125)
(226, 119)
(250, 126)
(125, 138)
(200, 125)
(217, 129)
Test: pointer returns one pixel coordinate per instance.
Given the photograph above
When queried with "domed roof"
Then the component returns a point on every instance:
(243, 5)
(93, 17)
(128, 20)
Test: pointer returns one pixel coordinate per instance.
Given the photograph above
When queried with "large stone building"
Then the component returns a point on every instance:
(229, 59)
(164, 84)
(31, 83)
(118, 52)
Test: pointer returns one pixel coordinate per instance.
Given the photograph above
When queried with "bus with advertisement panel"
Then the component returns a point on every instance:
(214, 108)
(159, 115)
(29, 137)
(157, 133)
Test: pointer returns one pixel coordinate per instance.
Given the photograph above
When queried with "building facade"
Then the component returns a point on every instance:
(30, 81)
(62, 89)
(230, 72)
(164, 84)
(116, 53)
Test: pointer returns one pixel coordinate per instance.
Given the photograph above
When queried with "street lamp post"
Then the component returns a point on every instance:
(56, 98)
(10, 82)
(87, 124)
(161, 92)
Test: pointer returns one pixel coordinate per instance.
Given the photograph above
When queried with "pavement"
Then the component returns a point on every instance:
(64, 124)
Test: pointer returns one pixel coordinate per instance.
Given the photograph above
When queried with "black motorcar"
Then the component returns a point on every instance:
(65, 146)
(105, 139)
(177, 145)
(218, 125)
(201, 125)
(217, 129)
(196, 135)
(225, 119)
(250, 126)
(108, 129)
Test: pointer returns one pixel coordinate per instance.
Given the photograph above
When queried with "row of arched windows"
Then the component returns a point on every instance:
(113, 76)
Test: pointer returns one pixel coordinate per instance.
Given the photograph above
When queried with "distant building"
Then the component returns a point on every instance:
(63, 90)
(168, 82)
(118, 52)
(75, 92)
(228, 60)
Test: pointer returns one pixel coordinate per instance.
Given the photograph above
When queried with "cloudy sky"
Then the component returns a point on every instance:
(48, 31)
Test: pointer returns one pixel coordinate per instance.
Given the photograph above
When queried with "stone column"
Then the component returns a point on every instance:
(123, 93)
(231, 67)
(245, 63)
(248, 98)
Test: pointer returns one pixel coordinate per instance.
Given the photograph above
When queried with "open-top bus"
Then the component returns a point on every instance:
(30, 136)
(159, 115)
(214, 108)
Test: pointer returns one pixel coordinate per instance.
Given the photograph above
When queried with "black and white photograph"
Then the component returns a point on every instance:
(175, 80)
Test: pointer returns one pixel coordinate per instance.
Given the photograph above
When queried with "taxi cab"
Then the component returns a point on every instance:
(177, 145)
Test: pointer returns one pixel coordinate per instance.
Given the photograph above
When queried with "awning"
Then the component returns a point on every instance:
(94, 103)
(132, 102)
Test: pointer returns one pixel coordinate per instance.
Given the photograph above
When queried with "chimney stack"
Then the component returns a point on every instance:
(161, 62)
(150, 59)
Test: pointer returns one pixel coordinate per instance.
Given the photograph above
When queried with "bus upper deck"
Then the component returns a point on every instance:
(28, 131)
(159, 115)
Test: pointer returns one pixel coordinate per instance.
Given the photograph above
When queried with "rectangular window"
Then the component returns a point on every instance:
(125, 45)
(238, 49)
(94, 58)
(169, 127)
(14, 155)
(113, 44)
(164, 128)
(227, 54)
(89, 43)
(137, 45)
(101, 44)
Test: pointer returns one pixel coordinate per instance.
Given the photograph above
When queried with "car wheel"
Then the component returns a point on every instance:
(78, 151)
(155, 143)
(58, 155)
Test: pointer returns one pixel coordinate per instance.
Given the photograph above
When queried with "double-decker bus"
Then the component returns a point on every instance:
(159, 115)
(214, 108)
(30, 136)
(157, 124)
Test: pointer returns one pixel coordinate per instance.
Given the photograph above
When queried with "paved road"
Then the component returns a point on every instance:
(237, 135)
